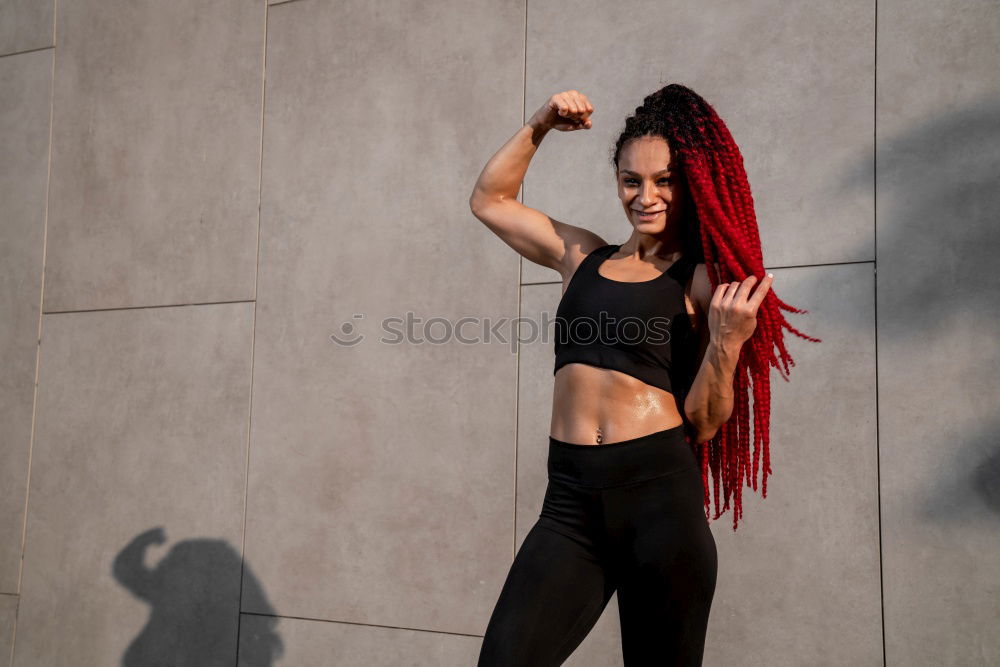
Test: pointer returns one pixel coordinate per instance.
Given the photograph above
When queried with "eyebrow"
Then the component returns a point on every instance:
(662, 171)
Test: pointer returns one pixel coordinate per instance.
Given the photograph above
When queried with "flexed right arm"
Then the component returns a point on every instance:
(531, 233)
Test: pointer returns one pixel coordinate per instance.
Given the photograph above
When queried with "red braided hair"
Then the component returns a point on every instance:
(721, 230)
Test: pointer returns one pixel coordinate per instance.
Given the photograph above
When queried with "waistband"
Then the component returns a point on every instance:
(623, 462)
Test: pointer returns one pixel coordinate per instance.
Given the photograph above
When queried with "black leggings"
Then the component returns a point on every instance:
(624, 516)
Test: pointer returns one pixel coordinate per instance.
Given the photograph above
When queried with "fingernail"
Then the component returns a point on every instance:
(770, 275)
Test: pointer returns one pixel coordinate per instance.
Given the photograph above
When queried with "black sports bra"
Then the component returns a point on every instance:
(641, 328)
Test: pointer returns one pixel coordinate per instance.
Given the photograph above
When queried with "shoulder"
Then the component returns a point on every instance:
(577, 252)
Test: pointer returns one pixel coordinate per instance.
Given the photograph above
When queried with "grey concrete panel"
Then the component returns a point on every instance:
(25, 84)
(792, 81)
(938, 299)
(155, 154)
(799, 581)
(8, 612)
(383, 471)
(300, 642)
(26, 25)
(602, 646)
(536, 360)
(136, 499)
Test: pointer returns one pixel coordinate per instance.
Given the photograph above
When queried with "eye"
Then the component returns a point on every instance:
(632, 181)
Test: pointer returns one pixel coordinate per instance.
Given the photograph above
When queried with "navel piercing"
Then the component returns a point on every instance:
(600, 436)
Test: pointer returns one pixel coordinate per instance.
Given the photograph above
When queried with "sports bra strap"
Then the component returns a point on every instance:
(598, 255)
(682, 269)
(605, 251)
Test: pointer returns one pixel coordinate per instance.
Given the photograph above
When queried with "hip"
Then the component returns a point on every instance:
(622, 462)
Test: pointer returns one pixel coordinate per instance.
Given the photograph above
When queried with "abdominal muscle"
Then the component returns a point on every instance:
(588, 400)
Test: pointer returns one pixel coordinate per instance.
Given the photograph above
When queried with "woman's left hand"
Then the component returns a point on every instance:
(732, 314)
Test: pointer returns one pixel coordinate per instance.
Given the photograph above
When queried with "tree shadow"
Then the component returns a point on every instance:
(938, 297)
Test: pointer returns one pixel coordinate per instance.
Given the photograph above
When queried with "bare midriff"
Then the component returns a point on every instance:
(595, 406)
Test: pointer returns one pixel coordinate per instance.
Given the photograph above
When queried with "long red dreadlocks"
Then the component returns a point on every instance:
(722, 232)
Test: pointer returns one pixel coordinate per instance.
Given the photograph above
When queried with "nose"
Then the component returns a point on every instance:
(649, 194)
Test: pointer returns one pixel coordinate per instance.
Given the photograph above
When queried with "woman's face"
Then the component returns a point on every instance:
(649, 180)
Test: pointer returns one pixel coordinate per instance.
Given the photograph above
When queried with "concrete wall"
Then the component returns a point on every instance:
(196, 196)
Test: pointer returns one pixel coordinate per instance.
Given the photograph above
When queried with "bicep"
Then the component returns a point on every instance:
(536, 236)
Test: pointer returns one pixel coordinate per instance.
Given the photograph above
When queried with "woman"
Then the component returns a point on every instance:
(649, 355)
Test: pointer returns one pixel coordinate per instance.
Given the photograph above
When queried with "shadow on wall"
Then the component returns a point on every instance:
(194, 593)
(939, 296)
